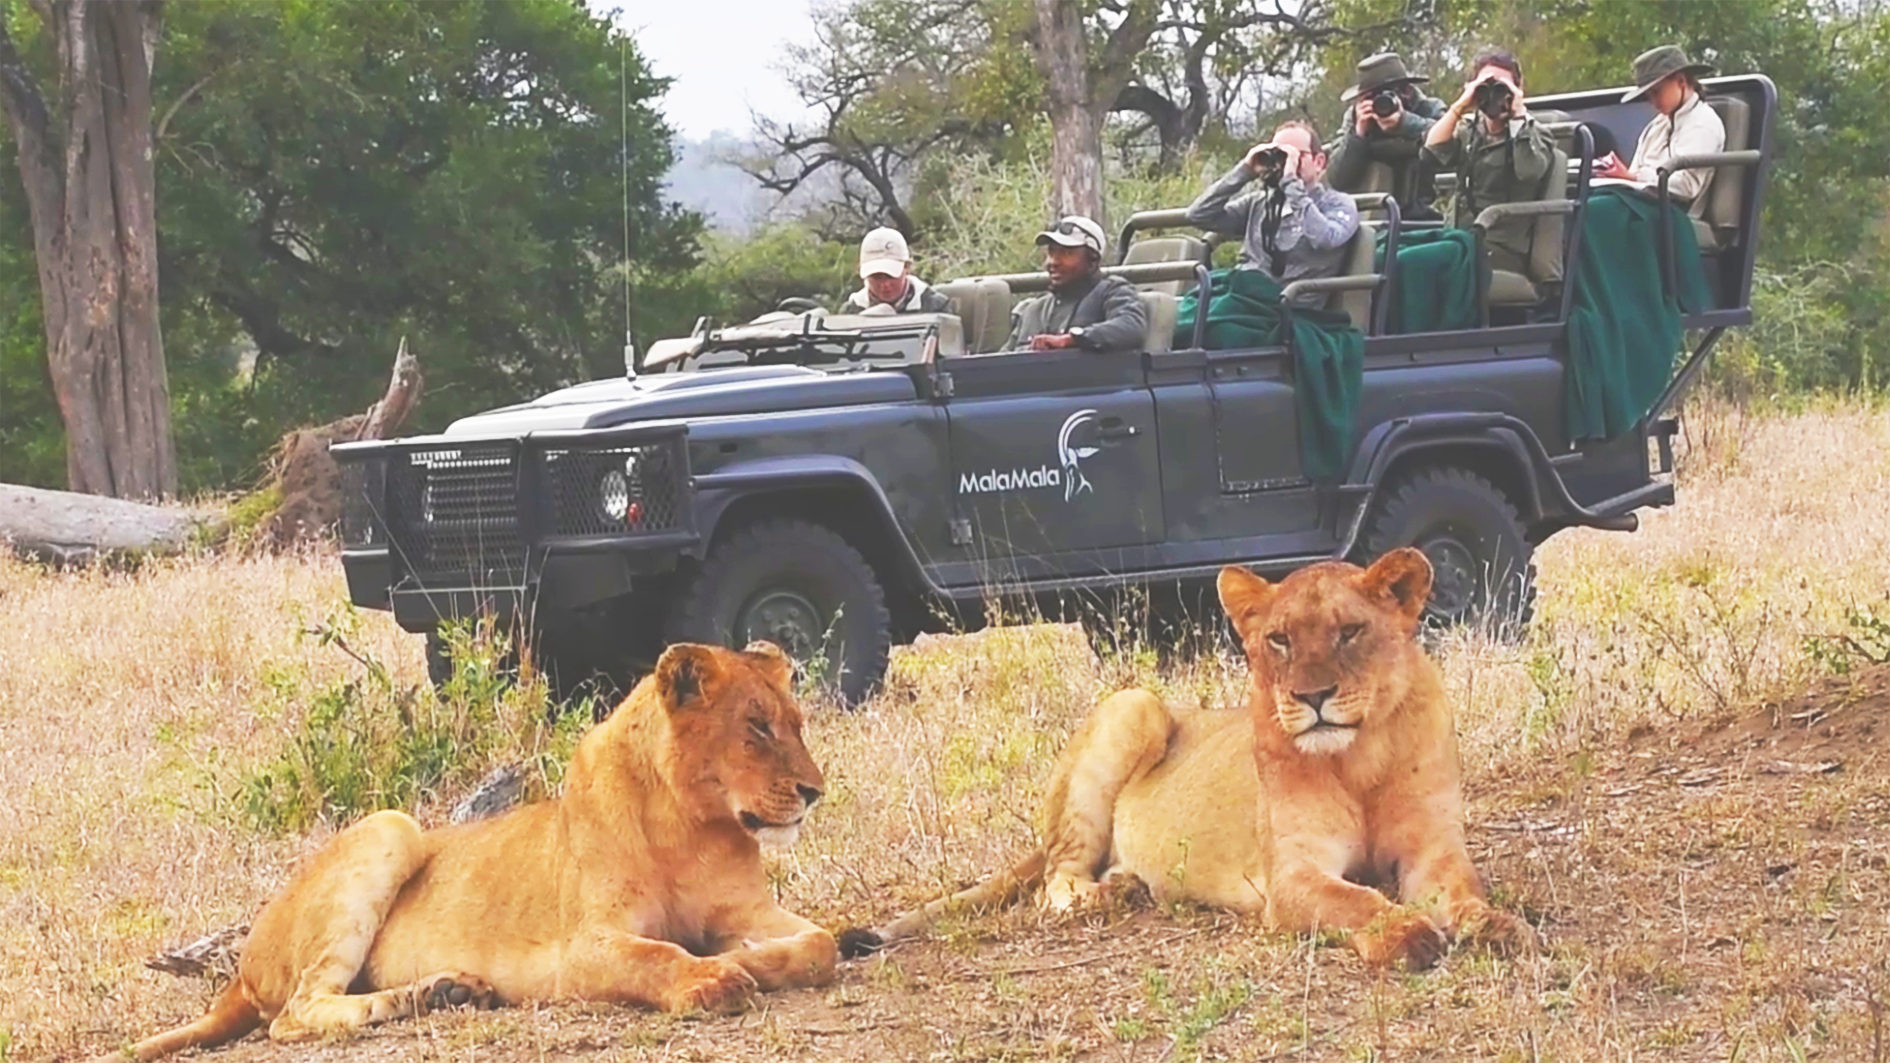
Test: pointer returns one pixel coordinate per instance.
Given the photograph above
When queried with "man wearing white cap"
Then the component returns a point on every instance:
(886, 267)
(1084, 309)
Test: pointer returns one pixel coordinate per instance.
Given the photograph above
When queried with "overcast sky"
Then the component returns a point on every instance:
(722, 54)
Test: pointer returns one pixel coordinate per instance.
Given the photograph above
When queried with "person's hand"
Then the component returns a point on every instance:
(1312, 166)
(1612, 166)
(1252, 161)
(1362, 111)
(1052, 341)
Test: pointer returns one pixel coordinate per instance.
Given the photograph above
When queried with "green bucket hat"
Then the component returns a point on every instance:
(1655, 64)
(1381, 71)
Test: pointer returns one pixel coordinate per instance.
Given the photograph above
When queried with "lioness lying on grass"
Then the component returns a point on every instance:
(1341, 777)
(642, 884)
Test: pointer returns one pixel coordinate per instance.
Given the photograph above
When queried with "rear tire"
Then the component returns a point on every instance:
(800, 586)
(1481, 557)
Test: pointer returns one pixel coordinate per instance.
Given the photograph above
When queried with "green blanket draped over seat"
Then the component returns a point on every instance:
(1434, 289)
(1624, 326)
(1328, 358)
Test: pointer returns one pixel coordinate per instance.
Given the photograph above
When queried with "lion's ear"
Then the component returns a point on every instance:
(768, 657)
(1244, 596)
(1401, 577)
(687, 673)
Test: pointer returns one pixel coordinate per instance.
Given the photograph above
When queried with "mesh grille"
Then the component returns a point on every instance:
(459, 509)
(640, 479)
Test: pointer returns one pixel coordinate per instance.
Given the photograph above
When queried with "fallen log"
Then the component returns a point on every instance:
(65, 528)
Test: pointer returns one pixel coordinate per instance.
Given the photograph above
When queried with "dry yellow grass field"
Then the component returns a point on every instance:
(1696, 901)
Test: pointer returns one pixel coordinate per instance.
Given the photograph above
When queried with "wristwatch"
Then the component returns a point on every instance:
(1077, 332)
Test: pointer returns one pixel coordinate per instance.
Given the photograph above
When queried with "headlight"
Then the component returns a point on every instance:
(613, 495)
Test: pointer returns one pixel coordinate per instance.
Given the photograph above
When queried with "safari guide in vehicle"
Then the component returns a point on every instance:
(1682, 125)
(1085, 308)
(1386, 121)
(886, 267)
(1501, 155)
(1294, 226)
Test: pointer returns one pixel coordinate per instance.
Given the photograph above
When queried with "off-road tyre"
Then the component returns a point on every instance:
(796, 584)
(1481, 558)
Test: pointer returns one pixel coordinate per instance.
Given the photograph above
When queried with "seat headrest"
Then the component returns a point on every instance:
(1166, 249)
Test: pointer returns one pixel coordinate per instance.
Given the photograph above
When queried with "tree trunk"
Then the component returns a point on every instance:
(1061, 47)
(91, 193)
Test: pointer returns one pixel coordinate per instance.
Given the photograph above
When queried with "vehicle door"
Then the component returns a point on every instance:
(1052, 452)
(1256, 443)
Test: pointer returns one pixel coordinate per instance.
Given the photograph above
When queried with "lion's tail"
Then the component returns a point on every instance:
(231, 1017)
(999, 891)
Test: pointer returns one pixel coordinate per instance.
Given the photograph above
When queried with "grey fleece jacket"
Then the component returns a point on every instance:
(1108, 309)
(1315, 225)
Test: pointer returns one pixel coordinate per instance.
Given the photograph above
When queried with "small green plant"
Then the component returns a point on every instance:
(365, 744)
(1866, 642)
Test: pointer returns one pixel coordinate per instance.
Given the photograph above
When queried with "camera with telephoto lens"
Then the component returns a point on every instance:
(1270, 162)
(1492, 98)
(1385, 103)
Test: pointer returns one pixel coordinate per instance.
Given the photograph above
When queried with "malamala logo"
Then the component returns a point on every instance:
(1068, 473)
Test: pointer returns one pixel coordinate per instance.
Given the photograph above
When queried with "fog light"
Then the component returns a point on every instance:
(613, 493)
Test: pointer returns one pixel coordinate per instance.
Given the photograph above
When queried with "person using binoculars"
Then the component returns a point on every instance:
(1386, 120)
(1501, 155)
(1294, 226)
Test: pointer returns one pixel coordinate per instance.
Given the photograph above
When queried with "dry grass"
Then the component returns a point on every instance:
(1688, 914)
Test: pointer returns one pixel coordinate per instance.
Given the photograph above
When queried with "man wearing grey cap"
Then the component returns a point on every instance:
(1085, 309)
(886, 267)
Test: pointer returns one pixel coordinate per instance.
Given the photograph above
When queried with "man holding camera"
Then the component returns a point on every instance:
(1294, 226)
(1501, 155)
(1386, 120)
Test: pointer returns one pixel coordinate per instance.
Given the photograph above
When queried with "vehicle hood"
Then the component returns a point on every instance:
(674, 396)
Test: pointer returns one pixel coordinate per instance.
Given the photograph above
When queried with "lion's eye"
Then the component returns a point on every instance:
(1350, 632)
(1278, 641)
(762, 730)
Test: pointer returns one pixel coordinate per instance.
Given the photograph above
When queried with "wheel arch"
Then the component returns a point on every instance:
(835, 493)
(1497, 454)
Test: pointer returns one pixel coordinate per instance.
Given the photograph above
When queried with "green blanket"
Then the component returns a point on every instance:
(1328, 358)
(1624, 327)
(1434, 290)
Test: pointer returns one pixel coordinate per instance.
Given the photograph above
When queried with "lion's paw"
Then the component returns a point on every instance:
(713, 985)
(1408, 939)
(1498, 931)
(1063, 894)
(454, 991)
(1125, 889)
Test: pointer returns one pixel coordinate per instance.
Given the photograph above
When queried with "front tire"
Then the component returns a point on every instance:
(800, 586)
(1481, 557)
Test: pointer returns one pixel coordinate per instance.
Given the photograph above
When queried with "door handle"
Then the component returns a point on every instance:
(1118, 430)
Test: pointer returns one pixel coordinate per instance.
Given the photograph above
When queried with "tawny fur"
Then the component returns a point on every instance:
(1287, 812)
(642, 884)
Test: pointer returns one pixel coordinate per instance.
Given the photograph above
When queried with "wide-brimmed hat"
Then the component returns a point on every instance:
(1657, 64)
(1381, 71)
(1074, 231)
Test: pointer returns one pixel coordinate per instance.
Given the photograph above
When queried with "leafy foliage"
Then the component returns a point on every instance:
(363, 745)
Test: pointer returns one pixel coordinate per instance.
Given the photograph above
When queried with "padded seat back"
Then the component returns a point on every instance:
(1360, 258)
(1545, 240)
(983, 305)
(1167, 249)
(1726, 195)
(1162, 309)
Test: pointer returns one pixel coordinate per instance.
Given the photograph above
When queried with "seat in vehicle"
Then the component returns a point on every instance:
(983, 306)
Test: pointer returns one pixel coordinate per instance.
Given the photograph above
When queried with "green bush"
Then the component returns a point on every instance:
(364, 744)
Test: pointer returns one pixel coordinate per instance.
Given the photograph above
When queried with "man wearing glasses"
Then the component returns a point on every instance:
(1084, 309)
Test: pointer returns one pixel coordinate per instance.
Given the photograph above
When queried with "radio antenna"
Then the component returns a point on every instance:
(623, 158)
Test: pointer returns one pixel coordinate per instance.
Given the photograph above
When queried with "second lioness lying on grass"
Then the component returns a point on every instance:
(1341, 777)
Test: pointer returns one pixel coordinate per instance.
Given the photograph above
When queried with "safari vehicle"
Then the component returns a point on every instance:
(841, 484)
